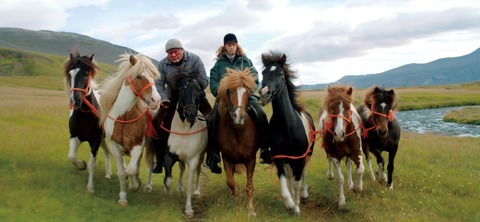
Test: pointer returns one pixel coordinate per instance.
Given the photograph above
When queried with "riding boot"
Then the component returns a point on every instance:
(162, 121)
(260, 119)
(213, 154)
(204, 106)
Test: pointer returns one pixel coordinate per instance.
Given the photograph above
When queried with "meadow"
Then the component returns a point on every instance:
(436, 177)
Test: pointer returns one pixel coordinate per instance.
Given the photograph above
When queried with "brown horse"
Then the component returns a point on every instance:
(382, 130)
(341, 129)
(237, 134)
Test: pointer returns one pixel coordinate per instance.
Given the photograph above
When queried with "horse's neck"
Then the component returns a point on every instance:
(282, 105)
(124, 102)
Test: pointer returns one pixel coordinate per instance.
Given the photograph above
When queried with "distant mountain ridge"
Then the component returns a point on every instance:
(453, 70)
(60, 43)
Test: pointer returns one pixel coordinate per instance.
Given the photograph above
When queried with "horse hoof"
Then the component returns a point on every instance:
(304, 200)
(108, 176)
(147, 188)
(81, 165)
(90, 190)
(341, 206)
(123, 203)
(252, 214)
(189, 214)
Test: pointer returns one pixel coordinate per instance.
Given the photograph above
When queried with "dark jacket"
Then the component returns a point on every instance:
(221, 65)
(191, 64)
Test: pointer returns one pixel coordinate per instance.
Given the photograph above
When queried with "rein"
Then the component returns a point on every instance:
(311, 139)
(327, 126)
(390, 117)
(182, 134)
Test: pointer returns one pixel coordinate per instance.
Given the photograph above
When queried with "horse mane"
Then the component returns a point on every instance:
(113, 84)
(175, 81)
(76, 60)
(377, 94)
(279, 58)
(235, 78)
(338, 92)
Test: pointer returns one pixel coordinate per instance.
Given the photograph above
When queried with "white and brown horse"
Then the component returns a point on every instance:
(126, 116)
(341, 129)
(79, 73)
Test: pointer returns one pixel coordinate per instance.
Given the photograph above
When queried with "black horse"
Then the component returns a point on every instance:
(381, 130)
(79, 72)
(290, 129)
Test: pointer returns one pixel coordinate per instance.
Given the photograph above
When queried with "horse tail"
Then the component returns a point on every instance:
(240, 168)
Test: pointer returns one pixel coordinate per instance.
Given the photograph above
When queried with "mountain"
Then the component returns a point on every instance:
(61, 44)
(442, 71)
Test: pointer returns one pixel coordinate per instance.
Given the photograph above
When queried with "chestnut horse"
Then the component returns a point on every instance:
(79, 74)
(237, 133)
(290, 129)
(341, 129)
(126, 116)
(382, 130)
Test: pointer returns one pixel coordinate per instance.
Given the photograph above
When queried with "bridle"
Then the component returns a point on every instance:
(84, 99)
(390, 117)
(139, 93)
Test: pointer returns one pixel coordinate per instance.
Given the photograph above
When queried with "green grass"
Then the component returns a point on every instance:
(436, 178)
(466, 115)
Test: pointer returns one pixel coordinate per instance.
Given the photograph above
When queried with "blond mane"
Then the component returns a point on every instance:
(233, 79)
(113, 84)
(337, 92)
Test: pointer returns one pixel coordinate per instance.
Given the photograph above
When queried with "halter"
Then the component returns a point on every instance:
(85, 100)
(280, 87)
(327, 126)
(139, 93)
(231, 109)
(390, 117)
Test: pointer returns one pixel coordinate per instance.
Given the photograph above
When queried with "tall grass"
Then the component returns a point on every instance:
(436, 178)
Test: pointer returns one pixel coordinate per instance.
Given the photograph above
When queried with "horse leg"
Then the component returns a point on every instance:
(91, 164)
(366, 151)
(391, 167)
(285, 191)
(180, 178)
(168, 163)
(229, 169)
(380, 173)
(149, 154)
(72, 154)
(249, 187)
(340, 180)
(360, 169)
(106, 152)
(191, 172)
(304, 197)
(330, 174)
(133, 168)
(198, 171)
(122, 175)
(348, 165)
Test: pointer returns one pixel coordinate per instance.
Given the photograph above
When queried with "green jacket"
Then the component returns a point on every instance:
(221, 65)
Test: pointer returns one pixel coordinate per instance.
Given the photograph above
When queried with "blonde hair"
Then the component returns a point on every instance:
(222, 50)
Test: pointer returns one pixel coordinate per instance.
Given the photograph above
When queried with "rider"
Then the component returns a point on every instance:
(178, 60)
(231, 55)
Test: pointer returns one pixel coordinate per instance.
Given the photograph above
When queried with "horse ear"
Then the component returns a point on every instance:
(133, 60)
(264, 58)
(71, 56)
(391, 92)
(350, 90)
(376, 90)
(91, 57)
(284, 59)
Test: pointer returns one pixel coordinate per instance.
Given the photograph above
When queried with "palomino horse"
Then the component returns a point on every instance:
(381, 130)
(126, 115)
(237, 133)
(290, 129)
(78, 74)
(187, 142)
(341, 129)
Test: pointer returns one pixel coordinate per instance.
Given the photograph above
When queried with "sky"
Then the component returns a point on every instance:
(323, 40)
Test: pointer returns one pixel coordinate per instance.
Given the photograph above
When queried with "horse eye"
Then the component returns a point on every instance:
(139, 77)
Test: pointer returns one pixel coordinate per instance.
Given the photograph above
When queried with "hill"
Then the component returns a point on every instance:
(442, 71)
(60, 43)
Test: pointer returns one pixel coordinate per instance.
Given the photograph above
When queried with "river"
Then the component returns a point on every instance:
(431, 121)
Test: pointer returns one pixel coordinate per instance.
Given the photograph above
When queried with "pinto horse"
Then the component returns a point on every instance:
(381, 130)
(341, 129)
(79, 74)
(291, 129)
(126, 116)
(237, 133)
(187, 142)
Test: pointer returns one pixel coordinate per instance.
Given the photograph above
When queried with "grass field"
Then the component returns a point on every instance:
(436, 177)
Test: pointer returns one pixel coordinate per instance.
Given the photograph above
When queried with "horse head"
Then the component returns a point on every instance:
(273, 76)
(382, 104)
(142, 79)
(234, 89)
(338, 106)
(79, 72)
(188, 90)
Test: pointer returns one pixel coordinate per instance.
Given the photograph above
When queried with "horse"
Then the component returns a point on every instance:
(290, 129)
(127, 98)
(341, 129)
(187, 142)
(382, 130)
(237, 136)
(79, 73)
